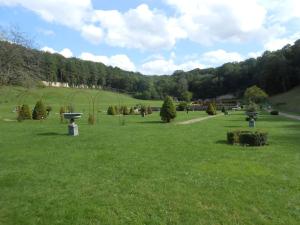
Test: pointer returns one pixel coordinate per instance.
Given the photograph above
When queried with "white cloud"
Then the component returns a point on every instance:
(71, 13)
(64, 52)
(121, 61)
(282, 11)
(92, 33)
(220, 57)
(168, 66)
(278, 43)
(139, 28)
(219, 20)
(48, 49)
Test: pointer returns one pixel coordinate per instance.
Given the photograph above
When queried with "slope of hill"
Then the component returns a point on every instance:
(80, 99)
(288, 101)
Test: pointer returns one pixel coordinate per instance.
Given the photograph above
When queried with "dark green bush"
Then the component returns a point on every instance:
(24, 113)
(62, 110)
(168, 110)
(48, 110)
(111, 110)
(39, 111)
(149, 110)
(125, 110)
(248, 138)
(211, 110)
(143, 111)
(274, 112)
(131, 111)
(182, 106)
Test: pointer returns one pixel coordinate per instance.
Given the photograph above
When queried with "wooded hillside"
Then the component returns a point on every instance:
(275, 72)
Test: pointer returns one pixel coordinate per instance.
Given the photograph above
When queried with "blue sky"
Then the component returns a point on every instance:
(156, 36)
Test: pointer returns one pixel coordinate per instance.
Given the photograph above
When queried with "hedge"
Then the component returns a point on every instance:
(248, 138)
(274, 112)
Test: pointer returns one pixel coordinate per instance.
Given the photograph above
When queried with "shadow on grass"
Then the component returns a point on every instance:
(222, 142)
(233, 126)
(51, 134)
(151, 122)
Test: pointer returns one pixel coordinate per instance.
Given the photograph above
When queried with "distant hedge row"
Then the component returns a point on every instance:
(248, 138)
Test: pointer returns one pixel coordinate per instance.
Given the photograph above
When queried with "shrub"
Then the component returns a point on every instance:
(125, 110)
(91, 119)
(248, 138)
(70, 109)
(149, 110)
(143, 110)
(274, 112)
(48, 110)
(168, 110)
(252, 107)
(131, 111)
(117, 110)
(211, 110)
(39, 111)
(182, 106)
(24, 113)
(62, 110)
(111, 110)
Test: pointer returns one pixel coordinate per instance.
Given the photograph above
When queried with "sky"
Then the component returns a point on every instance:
(156, 36)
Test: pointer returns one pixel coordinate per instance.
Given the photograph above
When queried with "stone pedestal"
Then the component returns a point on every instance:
(73, 129)
(252, 123)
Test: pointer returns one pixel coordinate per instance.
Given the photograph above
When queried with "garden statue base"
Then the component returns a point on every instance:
(251, 122)
(73, 129)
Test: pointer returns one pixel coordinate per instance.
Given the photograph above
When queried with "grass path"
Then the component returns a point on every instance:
(187, 122)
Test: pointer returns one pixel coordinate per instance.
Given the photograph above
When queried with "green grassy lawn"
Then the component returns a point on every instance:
(146, 172)
(287, 102)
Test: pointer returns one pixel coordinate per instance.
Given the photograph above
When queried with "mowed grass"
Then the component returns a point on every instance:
(288, 102)
(147, 172)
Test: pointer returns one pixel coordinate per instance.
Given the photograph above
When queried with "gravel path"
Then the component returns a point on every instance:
(289, 116)
(197, 120)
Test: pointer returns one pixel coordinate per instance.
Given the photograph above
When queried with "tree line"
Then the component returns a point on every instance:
(275, 72)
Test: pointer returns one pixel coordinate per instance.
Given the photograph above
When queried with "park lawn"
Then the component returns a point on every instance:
(148, 172)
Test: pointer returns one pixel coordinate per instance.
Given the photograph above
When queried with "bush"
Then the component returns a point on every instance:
(91, 119)
(252, 107)
(70, 109)
(168, 110)
(39, 111)
(131, 111)
(143, 110)
(24, 113)
(125, 110)
(62, 110)
(48, 110)
(211, 110)
(117, 110)
(111, 111)
(274, 112)
(149, 110)
(248, 138)
(182, 106)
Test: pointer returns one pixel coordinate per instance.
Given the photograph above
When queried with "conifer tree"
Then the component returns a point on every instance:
(24, 113)
(39, 111)
(168, 110)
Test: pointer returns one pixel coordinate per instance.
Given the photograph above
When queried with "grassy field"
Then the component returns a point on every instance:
(288, 102)
(145, 172)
